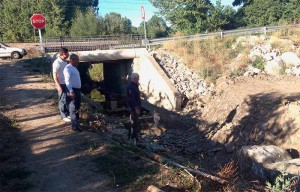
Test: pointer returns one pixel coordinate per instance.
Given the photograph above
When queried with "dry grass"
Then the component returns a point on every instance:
(215, 57)
(228, 171)
(279, 40)
(211, 58)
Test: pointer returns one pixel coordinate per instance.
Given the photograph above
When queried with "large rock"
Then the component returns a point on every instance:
(273, 67)
(292, 167)
(259, 160)
(290, 59)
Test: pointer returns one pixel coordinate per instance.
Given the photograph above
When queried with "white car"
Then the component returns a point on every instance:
(12, 52)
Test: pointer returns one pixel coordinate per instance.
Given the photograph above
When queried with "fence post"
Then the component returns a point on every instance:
(221, 34)
(265, 31)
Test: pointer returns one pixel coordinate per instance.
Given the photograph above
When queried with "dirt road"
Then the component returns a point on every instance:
(57, 158)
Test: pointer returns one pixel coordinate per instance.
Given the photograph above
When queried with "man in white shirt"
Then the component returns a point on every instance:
(57, 68)
(73, 83)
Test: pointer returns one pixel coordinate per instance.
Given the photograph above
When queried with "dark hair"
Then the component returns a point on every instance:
(73, 57)
(63, 50)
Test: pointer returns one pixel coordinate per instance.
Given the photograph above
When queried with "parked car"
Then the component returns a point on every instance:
(12, 52)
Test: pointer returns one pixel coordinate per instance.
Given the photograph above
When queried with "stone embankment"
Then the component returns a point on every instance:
(233, 135)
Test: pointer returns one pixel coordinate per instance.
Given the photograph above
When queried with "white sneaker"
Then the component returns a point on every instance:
(67, 119)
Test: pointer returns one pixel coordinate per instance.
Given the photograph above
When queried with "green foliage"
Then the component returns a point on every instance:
(259, 63)
(267, 12)
(96, 72)
(220, 17)
(187, 16)
(15, 17)
(86, 23)
(97, 96)
(156, 27)
(114, 24)
(263, 12)
(282, 183)
(292, 11)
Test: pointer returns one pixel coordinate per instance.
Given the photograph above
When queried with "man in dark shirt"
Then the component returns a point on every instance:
(134, 105)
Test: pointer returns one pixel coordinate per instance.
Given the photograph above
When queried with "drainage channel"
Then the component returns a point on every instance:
(115, 111)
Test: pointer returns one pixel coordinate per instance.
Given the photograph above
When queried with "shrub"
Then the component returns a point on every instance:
(96, 72)
(259, 63)
(283, 183)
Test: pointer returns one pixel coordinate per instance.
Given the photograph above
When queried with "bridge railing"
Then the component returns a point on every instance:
(134, 40)
(221, 34)
(92, 43)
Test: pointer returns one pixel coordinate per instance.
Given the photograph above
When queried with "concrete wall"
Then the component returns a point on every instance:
(155, 85)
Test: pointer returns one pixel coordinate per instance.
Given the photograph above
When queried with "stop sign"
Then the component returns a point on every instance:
(38, 21)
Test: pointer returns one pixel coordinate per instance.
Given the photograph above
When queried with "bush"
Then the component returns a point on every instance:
(259, 63)
(283, 183)
(96, 72)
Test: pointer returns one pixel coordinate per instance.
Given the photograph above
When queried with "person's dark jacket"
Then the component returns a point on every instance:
(133, 96)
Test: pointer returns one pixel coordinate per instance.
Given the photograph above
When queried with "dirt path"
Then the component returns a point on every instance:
(57, 158)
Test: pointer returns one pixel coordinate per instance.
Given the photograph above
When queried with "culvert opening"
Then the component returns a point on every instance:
(106, 83)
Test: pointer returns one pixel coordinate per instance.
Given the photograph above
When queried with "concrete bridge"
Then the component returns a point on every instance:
(118, 64)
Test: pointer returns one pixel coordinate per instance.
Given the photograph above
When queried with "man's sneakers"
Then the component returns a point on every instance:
(67, 119)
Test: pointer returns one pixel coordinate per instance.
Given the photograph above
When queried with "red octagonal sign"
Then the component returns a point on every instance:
(38, 21)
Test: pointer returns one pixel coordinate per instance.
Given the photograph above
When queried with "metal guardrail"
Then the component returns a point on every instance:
(131, 41)
(257, 30)
(92, 43)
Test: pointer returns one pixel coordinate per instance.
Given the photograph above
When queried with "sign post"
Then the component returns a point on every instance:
(38, 21)
(143, 13)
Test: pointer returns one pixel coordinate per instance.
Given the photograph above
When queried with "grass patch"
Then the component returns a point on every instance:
(131, 173)
(125, 168)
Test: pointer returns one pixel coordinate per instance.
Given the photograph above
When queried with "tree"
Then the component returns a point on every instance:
(263, 12)
(70, 7)
(241, 2)
(15, 16)
(187, 16)
(292, 11)
(221, 17)
(156, 27)
(86, 23)
(114, 24)
(14, 20)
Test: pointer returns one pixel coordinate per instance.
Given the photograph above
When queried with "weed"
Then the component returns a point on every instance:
(126, 168)
(97, 96)
(96, 72)
(259, 63)
(283, 183)
(228, 171)
(283, 69)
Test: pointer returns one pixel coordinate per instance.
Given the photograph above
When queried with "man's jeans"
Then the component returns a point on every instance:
(62, 102)
(74, 106)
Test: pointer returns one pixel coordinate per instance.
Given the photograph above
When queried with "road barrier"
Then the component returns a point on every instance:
(134, 40)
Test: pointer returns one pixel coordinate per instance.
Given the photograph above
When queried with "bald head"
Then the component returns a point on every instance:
(135, 78)
(74, 60)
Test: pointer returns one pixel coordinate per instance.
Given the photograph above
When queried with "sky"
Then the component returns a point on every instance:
(132, 9)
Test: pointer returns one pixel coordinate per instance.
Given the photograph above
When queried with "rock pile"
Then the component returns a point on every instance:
(272, 61)
(187, 82)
